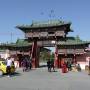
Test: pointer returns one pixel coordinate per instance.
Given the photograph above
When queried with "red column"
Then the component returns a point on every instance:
(56, 61)
(37, 56)
(34, 54)
(59, 62)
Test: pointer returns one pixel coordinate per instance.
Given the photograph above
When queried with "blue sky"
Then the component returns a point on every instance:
(18, 12)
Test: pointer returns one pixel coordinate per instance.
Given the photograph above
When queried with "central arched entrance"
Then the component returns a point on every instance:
(42, 34)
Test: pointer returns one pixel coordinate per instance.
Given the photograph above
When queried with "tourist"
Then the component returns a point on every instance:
(52, 65)
(23, 64)
(62, 62)
(64, 67)
(30, 62)
(69, 65)
(49, 65)
(78, 67)
(8, 63)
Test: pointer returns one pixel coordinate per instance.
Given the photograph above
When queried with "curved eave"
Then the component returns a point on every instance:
(25, 28)
(13, 46)
(21, 46)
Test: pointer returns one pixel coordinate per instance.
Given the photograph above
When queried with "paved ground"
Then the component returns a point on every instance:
(40, 79)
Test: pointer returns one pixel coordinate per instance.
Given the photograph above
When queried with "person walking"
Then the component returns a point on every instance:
(8, 63)
(30, 64)
(52, 65)
(64, 67)
(69, 65)
(24, 65)
(78, 67)
(49, 65)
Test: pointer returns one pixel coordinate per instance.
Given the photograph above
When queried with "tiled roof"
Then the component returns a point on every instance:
(48, 23)
(22, 42)
(69, 41)
(19, 43)
(73, 41)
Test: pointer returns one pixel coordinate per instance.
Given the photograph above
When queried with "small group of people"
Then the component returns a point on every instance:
(68, 66)
(50, 65)
(26, 64)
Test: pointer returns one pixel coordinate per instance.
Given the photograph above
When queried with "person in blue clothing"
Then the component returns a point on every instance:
(24, 64)
(49, 65)
(52, 65)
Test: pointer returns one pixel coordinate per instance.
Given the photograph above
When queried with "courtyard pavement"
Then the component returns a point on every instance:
(41, 79)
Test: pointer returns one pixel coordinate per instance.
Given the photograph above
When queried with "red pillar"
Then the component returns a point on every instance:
(37, 56)
(34, 54)
(59, 62)
(56, 61)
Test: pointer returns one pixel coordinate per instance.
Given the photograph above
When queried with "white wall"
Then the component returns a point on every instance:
(4, 54)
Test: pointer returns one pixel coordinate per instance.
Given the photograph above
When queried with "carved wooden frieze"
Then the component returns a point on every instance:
(59, 33)
(28, 34)
(61, 51)
(45, 43)
(43, 34)
(71, 51)
(37, 34)
(79, 51)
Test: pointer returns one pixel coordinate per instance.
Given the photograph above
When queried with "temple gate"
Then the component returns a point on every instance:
(44, 33)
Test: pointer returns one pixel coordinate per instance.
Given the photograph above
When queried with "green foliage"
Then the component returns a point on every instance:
(44, 56)
(52, 56)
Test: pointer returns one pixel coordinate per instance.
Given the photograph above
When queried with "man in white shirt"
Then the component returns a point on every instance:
(9, 63)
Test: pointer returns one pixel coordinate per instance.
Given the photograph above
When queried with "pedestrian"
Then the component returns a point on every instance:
(69, 65)
(64, 67)
(30, 64)
(49, 65)
(78, 67)
(23, 64)
(52, 65)
(8, 63)
(27, 63)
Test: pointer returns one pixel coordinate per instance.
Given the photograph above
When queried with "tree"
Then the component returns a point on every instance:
(52, 56)
(44, 56)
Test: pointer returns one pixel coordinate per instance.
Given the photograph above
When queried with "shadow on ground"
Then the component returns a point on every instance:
(12, 75)
(41, 66)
